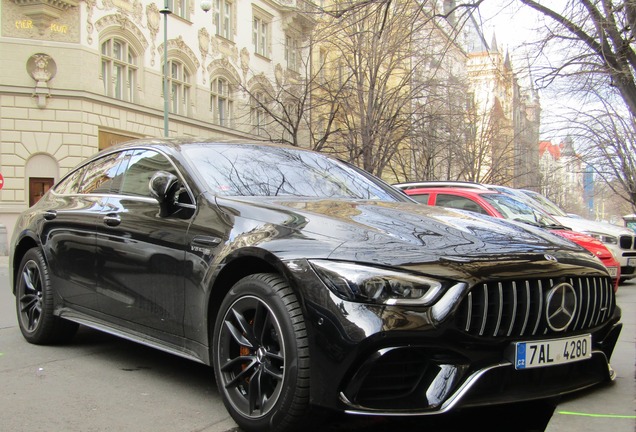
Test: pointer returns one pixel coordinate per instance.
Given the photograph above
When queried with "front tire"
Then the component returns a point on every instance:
(260, 355)
(34, 303)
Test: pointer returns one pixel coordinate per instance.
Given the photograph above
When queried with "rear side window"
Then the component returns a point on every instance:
(104, 174)
(71, 184)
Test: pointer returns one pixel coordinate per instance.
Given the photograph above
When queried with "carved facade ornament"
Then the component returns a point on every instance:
(44, 12)
(224, 67)
(184, 51)
(153, 16)
(124, 23)
(90, 7)
(138, 11)
(245, 62)
(204, 47)
(42, 69)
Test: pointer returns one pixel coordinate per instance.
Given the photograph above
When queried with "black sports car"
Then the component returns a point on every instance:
(304, 281)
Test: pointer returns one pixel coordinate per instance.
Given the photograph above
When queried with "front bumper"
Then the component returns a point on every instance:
(409, 381)
(388, 360)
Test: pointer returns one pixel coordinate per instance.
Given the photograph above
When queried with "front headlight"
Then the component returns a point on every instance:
(367, 284)
(604, 238)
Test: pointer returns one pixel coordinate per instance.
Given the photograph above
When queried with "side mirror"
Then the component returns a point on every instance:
(163, 186)
(160, 184)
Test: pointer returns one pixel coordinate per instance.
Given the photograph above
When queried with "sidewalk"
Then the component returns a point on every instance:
(606, 408)
(612, 407)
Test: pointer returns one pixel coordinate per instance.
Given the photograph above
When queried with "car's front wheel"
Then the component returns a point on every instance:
(34, 303)
(260, 354)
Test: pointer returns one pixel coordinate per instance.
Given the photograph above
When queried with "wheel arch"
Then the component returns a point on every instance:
(20, 249)
(235, 270)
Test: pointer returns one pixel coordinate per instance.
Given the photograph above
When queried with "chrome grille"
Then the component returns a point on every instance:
(517, 308)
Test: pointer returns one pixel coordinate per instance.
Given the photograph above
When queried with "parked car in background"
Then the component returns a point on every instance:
(305, 281)
(621, 241)
(505, 206)
(630, 221)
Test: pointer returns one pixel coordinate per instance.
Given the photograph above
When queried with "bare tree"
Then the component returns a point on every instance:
(370, 76)
(607, 138)
(597, 40)
(285, 110)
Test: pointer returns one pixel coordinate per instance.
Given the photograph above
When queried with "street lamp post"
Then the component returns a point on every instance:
(206, 5)
(166, 97)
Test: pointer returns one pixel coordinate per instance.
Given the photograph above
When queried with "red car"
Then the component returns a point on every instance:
(493, 203)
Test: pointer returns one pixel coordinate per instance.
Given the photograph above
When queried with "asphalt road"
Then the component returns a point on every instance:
(100, 383)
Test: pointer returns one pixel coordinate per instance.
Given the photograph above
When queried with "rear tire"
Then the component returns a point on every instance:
(35, 303)
(260, 355)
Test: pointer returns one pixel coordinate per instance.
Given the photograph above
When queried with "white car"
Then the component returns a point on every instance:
(621, 241)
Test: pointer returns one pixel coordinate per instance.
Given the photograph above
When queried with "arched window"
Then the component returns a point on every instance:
(119, 69)
(221, 102)
(179, 85)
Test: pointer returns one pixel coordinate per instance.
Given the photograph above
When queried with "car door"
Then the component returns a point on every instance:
(71, 212)
(142, 254)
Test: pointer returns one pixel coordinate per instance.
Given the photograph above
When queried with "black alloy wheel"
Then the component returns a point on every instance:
(260, 355)
(34, 303)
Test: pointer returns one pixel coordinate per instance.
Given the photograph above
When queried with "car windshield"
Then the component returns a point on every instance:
(257, 170)
(551, 207)
(514, 209)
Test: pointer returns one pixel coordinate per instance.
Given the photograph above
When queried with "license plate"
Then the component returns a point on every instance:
(613, 271)
(552, 352)
(631, 262)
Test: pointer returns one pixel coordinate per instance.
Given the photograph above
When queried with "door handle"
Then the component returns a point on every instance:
(50, 214)
(112, 220)
(206, 241)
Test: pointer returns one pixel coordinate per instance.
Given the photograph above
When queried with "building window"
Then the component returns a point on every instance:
(180, 8)
(119, 69)
(257, 113)
(223, 19)
(221, 101)
(292, 53)
(179, 84)
(322, 62)
(261, 35)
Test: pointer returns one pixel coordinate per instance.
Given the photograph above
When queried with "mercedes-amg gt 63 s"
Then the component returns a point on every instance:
(308, 285)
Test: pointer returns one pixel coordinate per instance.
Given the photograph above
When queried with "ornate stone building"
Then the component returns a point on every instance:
(512, 134)
(81, 75)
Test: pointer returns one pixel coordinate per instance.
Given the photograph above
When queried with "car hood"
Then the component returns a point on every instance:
(590, 226)
(405, 234)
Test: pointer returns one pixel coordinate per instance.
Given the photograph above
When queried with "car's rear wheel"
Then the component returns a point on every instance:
(260, 354)
(34, 303)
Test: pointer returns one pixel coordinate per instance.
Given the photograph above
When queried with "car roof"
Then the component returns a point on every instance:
(439, 184)
(452, 190)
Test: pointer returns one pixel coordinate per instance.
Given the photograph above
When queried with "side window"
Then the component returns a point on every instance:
(142, 166)
(104, 175)
(458, 202)
(71, 184)
(423, 198)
